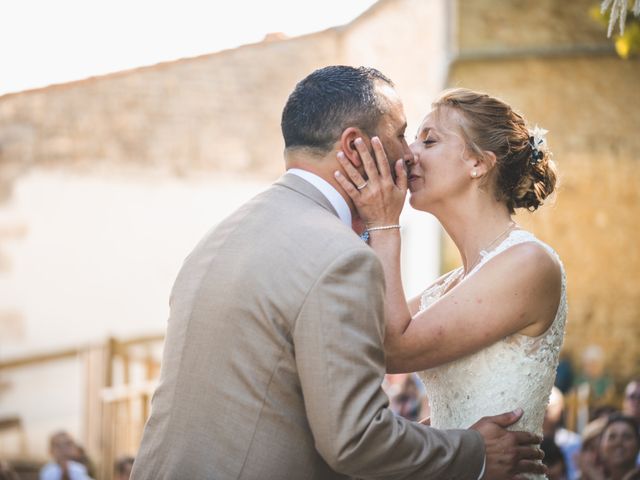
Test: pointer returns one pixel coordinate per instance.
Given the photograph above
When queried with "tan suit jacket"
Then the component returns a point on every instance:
(273, 358)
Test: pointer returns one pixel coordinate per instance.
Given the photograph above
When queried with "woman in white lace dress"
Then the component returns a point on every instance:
(486, 336)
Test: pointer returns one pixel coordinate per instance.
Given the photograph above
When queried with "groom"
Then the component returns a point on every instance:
(273, 357)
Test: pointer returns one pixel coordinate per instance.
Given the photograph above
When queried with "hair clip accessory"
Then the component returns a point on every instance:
(538, 142)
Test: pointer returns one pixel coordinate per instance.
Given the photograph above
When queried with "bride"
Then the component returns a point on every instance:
(486, 336)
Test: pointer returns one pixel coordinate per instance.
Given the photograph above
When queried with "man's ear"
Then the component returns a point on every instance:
(348, 146)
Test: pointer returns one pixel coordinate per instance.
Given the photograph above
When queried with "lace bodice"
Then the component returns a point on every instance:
(517, 371)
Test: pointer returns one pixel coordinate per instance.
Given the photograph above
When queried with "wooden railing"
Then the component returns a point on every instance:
(119, 378)
(125, 410)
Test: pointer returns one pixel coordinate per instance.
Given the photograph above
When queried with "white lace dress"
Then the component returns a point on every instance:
(517, 371)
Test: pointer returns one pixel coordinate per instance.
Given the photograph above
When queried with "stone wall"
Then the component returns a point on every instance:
(554, 64)
(221, 113)
(109, 182)
(216, 112)
(408, 41)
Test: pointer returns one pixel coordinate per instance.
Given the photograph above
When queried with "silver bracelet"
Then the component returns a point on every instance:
(384, 227)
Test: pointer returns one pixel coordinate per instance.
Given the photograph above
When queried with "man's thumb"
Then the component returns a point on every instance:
(508, 418)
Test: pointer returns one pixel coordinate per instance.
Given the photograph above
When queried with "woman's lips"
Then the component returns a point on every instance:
(413, 182)
(414, 178)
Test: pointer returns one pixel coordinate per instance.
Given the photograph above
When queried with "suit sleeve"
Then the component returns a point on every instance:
(338, 339)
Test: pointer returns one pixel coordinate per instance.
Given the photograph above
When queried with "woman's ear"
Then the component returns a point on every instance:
(348, 146)
(481, 165)
(489, 159)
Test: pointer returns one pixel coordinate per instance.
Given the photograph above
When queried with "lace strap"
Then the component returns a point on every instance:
(443, 281)
(516, 237)
(435, 290)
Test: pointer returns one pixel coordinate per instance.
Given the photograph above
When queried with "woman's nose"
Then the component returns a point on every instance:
(410, 159)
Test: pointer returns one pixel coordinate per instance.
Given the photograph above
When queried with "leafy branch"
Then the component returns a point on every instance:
(610, 12)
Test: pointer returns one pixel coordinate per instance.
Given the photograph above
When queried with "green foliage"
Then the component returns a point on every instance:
(628, 44)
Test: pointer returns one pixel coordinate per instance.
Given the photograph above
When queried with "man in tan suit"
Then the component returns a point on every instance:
(273, 359)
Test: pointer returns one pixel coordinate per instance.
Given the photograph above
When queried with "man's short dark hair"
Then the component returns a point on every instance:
(327, 102)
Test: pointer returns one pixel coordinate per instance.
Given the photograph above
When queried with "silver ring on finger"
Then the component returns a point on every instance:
(362, 186)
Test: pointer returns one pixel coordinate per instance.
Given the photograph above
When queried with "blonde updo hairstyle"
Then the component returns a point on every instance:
(489, 124)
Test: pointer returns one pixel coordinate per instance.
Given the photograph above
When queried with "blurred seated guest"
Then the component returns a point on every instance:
(603, 411)
(392, 383)
(593, 374)
(564, 374)
(123, 468)
(586, 459)
(631, 401)
(618, 450)
(81, 456)
(554, 460)
(6, 472)
(63, 467)
(619, 447)
(552, 428)
(407, 402)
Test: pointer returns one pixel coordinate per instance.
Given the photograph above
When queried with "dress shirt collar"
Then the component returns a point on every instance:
(331, 194)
